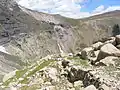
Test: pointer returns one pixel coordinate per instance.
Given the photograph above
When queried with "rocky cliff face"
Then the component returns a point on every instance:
(29, 35)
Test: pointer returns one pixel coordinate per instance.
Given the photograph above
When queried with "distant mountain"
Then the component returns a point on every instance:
(115, 13)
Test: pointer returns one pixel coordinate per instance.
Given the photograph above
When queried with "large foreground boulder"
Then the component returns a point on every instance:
(108, 50)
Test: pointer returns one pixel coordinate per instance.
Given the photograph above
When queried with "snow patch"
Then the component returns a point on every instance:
(2, 49)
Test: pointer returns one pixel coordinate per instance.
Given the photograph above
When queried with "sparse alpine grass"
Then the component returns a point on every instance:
(21, 76)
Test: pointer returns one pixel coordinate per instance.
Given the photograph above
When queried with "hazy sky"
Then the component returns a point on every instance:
(72, 8)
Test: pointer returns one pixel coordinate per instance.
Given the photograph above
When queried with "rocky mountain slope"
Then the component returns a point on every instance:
(27, 36)
(94, 68)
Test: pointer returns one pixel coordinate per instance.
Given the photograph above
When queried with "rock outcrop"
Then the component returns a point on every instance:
(104, 52)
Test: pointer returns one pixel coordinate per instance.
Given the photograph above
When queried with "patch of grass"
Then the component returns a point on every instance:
(33, 87)
(20, 73)
(79, 61)
(73, 22)
(39, 67)
(24, 81)
(6, 83)
(42, 65)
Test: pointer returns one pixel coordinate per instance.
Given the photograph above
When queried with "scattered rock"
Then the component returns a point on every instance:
(78, 83)
(72, 89)
(59, 59)
(104, 87)
(112, 40)
(49, 88)
(78, 54)
(65, 63)
(108, 50)
(118, 46)
(70, 54)
(110, 60)
(52, 73)
(76, 74)
(20, 79)
(118, 39)
(86, 53)
(70, 85)
(91, 87)
(96, 55)
(47, 83)
(118, 87)
(97, 45)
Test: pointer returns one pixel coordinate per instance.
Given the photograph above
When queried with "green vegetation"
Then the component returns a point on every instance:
(74, 22)
(79, 61)
(6, 83)
(22, 73)
(37, 68)
(33, 87)
(116, 30)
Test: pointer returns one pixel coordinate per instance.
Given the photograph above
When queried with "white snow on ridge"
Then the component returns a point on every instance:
(2, 49)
